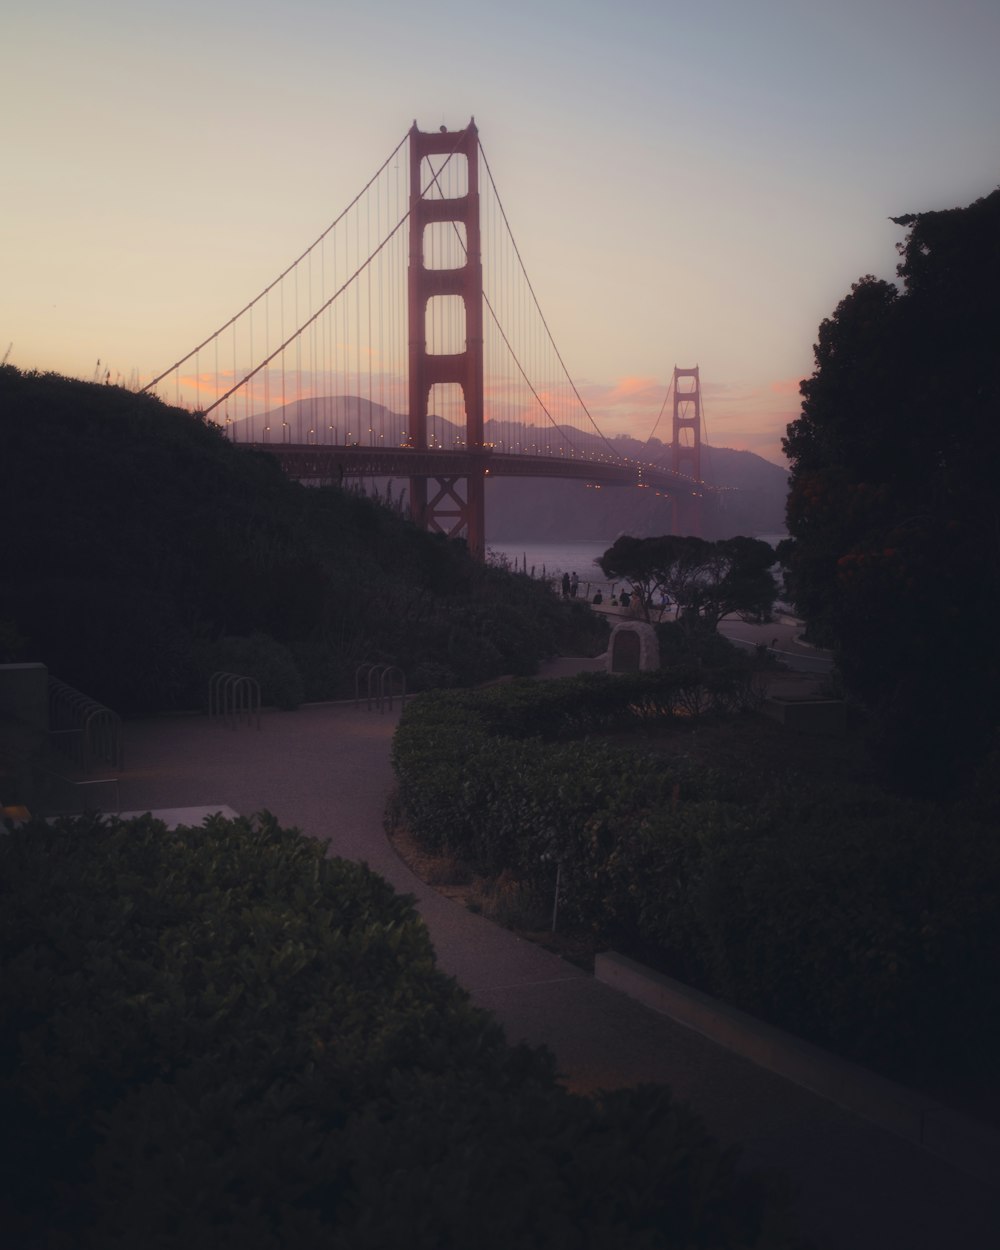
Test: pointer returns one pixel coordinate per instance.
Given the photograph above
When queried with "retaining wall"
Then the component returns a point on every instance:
(969, 1145)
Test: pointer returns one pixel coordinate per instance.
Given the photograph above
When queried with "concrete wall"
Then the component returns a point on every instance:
(24, 726)
(24, 695)
(969, 1145)
(809, 716)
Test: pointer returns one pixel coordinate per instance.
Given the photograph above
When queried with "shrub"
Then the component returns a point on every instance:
(220, 1037)
(856, 919)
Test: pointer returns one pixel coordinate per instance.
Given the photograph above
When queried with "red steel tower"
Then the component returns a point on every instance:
(686, 447)
(446, 510)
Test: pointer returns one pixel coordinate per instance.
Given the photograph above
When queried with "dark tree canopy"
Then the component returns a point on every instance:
(893, 513)
(708, 581)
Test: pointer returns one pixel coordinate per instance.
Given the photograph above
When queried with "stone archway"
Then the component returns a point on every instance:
(634, 648)
(625, 651)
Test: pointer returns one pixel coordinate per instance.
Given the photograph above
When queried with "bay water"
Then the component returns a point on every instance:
(551, 559)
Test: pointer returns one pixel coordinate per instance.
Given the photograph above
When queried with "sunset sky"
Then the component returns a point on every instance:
(692, 183)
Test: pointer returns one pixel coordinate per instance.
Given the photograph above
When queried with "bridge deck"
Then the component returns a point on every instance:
(329, 463)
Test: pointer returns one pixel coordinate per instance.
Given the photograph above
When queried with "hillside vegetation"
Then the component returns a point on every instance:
(145, 551)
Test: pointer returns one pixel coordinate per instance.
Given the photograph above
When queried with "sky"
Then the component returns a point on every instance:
(689, 184)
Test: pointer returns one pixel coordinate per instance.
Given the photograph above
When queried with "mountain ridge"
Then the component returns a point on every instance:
(750, 498)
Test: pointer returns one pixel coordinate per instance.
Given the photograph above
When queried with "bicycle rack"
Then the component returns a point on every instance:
(82, 729)
(378, 681)
(234, 699)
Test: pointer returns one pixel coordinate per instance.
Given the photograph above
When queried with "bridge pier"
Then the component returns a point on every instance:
(448, 512)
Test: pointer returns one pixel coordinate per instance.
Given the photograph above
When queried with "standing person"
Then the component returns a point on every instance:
(574, 585)
(565, 585)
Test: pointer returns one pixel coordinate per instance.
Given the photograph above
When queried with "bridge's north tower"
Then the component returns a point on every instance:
(443, 507)
(686, 447)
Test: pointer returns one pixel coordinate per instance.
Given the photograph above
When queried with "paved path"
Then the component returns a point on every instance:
(326, 770)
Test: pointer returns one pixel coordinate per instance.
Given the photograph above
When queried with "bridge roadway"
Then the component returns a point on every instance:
(326, 769)
(322, 462)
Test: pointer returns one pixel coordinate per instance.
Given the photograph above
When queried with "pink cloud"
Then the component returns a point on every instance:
(635, 391)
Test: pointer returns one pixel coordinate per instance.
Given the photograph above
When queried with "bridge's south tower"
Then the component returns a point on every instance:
(686, 458)
(438, 503)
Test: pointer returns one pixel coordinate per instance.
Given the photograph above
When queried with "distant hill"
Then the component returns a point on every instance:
(552, 509)
(555, 510)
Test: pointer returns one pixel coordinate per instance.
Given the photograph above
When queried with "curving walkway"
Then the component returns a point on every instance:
(326, 770)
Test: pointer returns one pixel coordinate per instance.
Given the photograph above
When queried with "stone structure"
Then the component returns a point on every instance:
(634, 648)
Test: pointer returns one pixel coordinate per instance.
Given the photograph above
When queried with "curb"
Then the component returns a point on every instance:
(972, 1147)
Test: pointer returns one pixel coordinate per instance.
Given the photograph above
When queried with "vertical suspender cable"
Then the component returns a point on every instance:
(298, 364)
(267, 372)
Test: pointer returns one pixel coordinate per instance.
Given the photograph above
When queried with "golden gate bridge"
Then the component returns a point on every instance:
(407, 341)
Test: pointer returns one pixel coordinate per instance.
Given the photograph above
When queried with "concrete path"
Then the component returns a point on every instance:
(326, 770)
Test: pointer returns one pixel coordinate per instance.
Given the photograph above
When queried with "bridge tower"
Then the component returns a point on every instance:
(686, 451)
(447, 510)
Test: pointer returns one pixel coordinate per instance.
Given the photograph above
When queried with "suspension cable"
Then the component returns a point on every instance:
(319, 312)
(496, 320)
(284, 274)
(538, 308)
(316, 315)
(663, 408)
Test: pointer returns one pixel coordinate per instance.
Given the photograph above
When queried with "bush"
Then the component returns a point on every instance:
(220, 1037)
(856, 919)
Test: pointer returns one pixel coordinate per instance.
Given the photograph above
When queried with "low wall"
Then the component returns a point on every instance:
(24, 695)
(973, 1147)
(24, 725)
(809, 716)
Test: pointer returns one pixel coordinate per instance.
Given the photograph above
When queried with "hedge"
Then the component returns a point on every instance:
(859, 920)
(221, 1037)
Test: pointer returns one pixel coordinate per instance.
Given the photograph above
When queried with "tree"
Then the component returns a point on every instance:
(892, 505)
(708, 581)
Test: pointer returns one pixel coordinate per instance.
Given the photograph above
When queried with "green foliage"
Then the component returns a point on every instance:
(500, 776)
(862, 922)
(706, 580)
(221, 1037)
(143, 537)
(707, 647)
(892, 505)
(859, 920)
